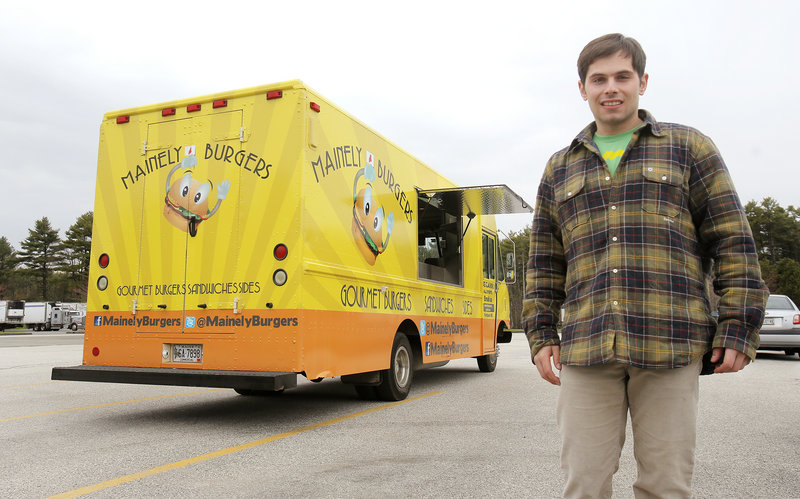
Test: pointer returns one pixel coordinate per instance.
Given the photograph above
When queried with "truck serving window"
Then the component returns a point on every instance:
(439, 239)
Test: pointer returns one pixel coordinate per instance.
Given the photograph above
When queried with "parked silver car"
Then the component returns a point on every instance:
(781, 328)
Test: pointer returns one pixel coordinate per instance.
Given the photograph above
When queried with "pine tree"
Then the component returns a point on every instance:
(41, 254)
(76, 250)
(8, 265)
(776, 231)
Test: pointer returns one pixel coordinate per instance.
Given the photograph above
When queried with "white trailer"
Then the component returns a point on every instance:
(38, 315)
(12, 313)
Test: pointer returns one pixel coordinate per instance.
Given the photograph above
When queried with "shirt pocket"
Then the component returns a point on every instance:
(573, 208)
(662, 191)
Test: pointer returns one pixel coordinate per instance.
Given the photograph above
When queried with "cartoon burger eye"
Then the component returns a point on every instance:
(378, 220)
(367, 200)
(202, 193)
(183, 188)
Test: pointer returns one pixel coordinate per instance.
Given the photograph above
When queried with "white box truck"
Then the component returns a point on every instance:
(11, 313)
(38, 315)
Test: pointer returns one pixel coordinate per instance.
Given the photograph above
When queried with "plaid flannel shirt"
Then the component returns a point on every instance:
(627, 256)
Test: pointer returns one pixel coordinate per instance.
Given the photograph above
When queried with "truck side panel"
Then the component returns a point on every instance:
(362, 243)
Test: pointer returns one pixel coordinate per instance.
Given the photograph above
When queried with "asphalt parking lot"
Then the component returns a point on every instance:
(461, 433)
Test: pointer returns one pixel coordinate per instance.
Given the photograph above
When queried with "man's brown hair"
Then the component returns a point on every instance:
(608, 45)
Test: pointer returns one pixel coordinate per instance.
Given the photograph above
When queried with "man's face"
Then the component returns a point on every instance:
(613, 88)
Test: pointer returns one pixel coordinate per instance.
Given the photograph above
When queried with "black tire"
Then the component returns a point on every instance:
(396, 381)
(73, 327)
(487, 363)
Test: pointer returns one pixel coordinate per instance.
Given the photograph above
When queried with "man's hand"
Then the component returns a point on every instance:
(733, 360)
(542, 361)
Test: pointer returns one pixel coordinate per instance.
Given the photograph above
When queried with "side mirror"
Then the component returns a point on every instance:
(511, 266)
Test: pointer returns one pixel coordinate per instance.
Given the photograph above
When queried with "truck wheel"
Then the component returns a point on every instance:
(396, 381)
(487, 363)
(74, 327)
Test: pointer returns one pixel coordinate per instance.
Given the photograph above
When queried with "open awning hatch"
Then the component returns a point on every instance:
(484, 199)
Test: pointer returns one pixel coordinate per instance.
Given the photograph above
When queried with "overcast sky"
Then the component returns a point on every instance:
(484, 92)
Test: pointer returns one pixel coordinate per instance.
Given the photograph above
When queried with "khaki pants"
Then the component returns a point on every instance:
(592, 411)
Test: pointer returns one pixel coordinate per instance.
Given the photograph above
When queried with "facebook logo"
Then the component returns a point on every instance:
(98, 320)
(428, 348)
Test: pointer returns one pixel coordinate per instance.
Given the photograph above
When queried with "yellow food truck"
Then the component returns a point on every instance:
(246, 237)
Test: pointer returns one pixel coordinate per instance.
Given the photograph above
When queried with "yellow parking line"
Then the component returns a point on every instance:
(224, 452)
(15, 418)
(26, 386)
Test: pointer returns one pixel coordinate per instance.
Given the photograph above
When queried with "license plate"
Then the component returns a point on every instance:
(187, 353)
(769, 321)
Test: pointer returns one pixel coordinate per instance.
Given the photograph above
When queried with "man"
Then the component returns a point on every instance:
(630, 219)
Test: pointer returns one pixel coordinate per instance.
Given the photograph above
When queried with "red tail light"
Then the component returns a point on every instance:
(123, 119)
(796, 319)
(280, 251)
(275, 94)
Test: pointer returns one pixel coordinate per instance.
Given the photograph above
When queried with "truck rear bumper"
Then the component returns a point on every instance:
(244, 380)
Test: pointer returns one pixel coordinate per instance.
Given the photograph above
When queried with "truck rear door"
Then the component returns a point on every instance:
(190, 219)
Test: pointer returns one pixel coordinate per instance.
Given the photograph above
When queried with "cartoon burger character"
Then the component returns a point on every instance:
(368, 218)
(186, 202)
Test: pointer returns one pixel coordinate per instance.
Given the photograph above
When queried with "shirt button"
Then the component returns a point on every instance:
(615, 238)
(569, 193)
(613, 207)
(615, 303)
(664, 177)
(615, 271)
(650, 169)
(608, 178)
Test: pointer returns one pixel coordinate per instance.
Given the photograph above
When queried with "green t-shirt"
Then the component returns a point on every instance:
(612, 147)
